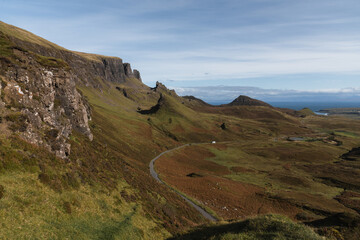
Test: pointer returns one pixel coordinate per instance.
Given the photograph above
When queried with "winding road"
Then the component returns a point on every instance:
(156, 176)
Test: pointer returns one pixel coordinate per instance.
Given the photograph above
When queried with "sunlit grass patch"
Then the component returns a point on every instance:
(31, 210)
(267, 169)
(51, 62)
(347, 134)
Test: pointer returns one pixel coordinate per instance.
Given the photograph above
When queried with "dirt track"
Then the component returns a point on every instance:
(156, 176)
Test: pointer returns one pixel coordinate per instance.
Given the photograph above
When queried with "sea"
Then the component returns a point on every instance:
(314, 106)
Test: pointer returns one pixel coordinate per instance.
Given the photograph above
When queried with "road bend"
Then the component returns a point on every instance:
(156, 176)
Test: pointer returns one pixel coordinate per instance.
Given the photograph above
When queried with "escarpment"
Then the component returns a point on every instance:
(39, 96)
(89, 68)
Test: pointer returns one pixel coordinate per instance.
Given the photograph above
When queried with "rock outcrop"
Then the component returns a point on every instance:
(159, 87)
(137, 75)
(39, 92)
(130, 73)
(48, 97)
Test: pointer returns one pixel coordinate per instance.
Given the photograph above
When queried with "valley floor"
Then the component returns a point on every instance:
(307, 179)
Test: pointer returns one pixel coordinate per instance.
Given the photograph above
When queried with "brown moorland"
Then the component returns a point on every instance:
(307, 179)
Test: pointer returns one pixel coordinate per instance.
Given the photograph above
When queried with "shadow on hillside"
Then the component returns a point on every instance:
(153, 109)
(347, 224)
(262, 227)
(211, 231)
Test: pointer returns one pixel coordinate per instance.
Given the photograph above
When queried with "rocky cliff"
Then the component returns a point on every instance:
(39, 96)
(89, 67)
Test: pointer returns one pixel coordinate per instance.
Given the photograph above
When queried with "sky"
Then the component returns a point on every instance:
(269, 49)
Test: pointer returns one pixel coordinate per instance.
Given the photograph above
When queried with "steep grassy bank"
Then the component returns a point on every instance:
(47, 198)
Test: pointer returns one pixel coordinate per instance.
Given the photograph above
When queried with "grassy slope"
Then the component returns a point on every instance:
(120, 125)
(85, 213)
(47, 198)
(306, 112)
(27, 36)
(117, 122)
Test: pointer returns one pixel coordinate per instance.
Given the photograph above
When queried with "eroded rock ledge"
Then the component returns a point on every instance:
(49, 102)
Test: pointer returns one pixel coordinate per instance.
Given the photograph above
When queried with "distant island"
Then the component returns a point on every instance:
(347, 112)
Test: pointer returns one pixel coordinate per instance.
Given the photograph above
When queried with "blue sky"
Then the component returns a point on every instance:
(311, 46)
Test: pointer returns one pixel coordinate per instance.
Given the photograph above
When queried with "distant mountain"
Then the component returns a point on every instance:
(192, 101)
(247, 101)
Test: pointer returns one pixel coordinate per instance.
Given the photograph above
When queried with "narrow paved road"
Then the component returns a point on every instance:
(156, 176)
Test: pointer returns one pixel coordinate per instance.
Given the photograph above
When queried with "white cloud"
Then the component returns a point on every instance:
(253, 61)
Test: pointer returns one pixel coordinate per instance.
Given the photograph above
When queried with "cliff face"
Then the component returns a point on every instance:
(42, 104)
(87, 67)
(39, 98)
